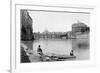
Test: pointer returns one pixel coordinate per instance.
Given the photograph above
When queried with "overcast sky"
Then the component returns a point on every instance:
(56, 21)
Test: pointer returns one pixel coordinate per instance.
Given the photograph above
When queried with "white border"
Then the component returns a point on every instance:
(15, 39)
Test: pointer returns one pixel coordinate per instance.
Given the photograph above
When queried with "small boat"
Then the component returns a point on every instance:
(65, 57)
(59, 57)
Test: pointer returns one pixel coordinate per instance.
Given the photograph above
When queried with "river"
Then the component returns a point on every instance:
(62, 47)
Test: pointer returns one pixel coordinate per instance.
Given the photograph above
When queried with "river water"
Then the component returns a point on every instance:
(62, 47)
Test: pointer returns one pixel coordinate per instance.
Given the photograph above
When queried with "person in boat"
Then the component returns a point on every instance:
(71, 53)
(40, 52)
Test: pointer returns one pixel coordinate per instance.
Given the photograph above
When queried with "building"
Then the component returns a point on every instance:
(50, 35)
(80, 28)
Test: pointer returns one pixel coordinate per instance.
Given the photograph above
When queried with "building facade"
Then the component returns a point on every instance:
(79, 28)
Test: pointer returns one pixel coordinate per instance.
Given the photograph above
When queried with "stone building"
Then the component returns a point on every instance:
(80, 28)
(26, 25)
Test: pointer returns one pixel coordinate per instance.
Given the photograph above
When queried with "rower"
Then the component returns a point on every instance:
(39, 51)
(71, 53)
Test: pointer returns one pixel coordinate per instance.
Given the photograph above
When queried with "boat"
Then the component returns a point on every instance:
(58, 57)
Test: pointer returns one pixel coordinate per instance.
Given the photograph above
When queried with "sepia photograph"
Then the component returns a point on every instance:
(50, 36)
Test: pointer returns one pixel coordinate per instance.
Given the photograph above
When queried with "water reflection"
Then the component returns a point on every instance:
(81, 48)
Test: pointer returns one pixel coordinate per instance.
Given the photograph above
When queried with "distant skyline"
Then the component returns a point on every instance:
(56, 21)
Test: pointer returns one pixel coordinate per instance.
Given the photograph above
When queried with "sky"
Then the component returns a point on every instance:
(56, 21)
